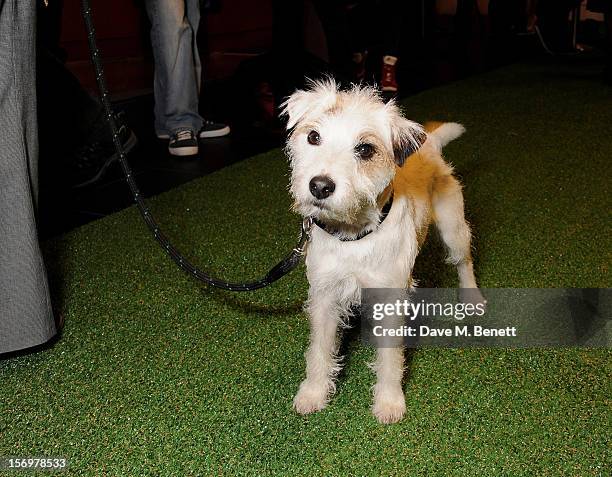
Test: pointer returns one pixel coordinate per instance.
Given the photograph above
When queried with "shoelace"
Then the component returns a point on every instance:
(208, 124)
(184, 134)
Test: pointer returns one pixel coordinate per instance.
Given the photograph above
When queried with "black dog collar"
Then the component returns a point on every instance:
(384, 212)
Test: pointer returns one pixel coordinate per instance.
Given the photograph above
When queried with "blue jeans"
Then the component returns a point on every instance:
(174, 27)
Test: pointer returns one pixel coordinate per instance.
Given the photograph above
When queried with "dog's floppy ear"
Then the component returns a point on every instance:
(296, 106)
(320, 95)
(407, 138)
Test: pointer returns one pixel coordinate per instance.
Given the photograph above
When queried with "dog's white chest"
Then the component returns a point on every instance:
(381, 259)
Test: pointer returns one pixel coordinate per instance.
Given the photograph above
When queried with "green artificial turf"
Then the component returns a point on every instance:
(158, 375)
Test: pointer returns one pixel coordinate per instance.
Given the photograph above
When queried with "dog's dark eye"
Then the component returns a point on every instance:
(314, 138)
(365, 150)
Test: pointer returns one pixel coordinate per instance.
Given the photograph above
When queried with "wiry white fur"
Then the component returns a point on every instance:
(311, 102)
(360, 113)
(338, 270)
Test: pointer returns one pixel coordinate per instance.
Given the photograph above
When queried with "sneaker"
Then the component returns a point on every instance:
(212, 129)
(183, 143)
(209, 129)
(89, 163)
(388, 81)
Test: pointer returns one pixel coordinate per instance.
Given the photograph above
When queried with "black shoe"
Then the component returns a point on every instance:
(183, 143)
(91, 161)
(212, 129)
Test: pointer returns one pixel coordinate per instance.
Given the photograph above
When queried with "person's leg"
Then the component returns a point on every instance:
(553, 21)
(63, 104)
(362, 36)
(208, 128)
(193, 15)
(532, 18)
(75, 142)
(394, 17)
(26, 318)
(177, 65)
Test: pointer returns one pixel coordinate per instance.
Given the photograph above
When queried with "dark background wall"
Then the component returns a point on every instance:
(232, 30)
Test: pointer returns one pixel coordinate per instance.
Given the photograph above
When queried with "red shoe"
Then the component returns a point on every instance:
(387, 80)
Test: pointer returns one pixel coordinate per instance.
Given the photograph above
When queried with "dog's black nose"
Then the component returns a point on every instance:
(322, 187)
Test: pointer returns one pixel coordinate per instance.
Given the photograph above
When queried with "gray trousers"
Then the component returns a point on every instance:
(26, 319)
(178, 71)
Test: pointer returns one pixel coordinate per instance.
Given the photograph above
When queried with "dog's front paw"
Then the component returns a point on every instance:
(310, 398)
(389, 407)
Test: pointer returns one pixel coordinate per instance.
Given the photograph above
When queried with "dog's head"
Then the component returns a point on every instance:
(344, 149)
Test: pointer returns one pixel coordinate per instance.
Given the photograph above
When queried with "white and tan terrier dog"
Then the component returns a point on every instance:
(351, 156)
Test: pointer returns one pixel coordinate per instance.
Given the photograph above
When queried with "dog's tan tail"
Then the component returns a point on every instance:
(443, 133)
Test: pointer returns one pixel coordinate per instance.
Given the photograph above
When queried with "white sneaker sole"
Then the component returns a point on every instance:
(216, 133)
(183, 151)
(204, 134)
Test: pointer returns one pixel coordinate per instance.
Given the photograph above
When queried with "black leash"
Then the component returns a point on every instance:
(281, 269)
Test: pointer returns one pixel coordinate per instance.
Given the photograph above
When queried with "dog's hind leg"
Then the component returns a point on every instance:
(321, 359)
(449, 217)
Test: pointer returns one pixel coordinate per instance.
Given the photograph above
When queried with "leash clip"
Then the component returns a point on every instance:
(307, 224)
